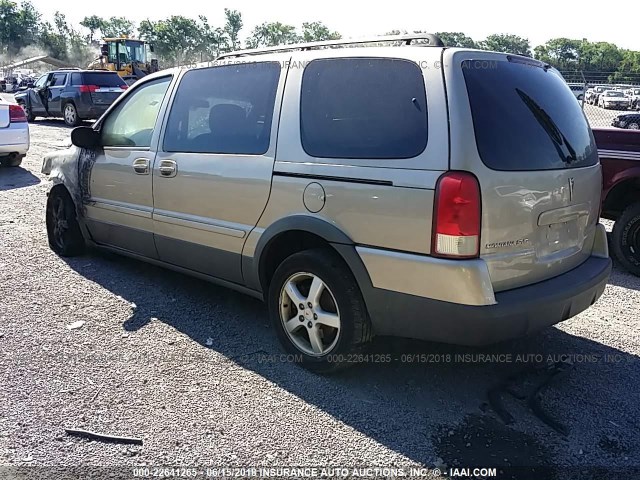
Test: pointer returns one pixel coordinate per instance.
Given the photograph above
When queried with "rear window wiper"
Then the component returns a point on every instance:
(566, 152)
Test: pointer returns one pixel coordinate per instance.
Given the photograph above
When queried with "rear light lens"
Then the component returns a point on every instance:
(457, 212)
(88, 88)
(124, 86)
(16, 114)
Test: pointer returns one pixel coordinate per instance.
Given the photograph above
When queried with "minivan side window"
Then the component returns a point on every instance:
(76, 79)
(224, 109)
(372, 108)
(132, 122)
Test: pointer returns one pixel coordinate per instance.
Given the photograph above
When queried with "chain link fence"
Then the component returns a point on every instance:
(609, 99)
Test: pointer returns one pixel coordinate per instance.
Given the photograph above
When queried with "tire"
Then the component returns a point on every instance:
(633, 126)
(27, 111)
(626, 238)
(347, 330)
(63, 229)
(70, 115)
(11, 161)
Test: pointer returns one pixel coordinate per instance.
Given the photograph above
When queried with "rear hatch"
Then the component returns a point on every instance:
(537, 165)
(105, 87)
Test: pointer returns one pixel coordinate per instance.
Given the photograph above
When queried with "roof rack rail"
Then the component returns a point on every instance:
(433, 41)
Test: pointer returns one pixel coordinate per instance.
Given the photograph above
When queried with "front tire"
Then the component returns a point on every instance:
(70, 114)
(317, 310)
(626, 238)
(634, 126)
(63, 229)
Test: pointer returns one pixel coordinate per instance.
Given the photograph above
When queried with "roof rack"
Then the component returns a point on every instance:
(432, 41)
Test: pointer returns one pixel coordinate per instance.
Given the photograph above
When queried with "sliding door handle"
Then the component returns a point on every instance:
(141, 166)
(168, 168)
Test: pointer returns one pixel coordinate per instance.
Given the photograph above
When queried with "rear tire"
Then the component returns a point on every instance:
(63, 229)
(70, 114)
(328, 335)
(11, 161)
(626, 238)
(634, 126)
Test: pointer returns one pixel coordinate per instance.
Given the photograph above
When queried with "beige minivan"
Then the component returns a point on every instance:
(396, 187)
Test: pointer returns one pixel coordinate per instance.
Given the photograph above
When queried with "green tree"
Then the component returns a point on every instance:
(117, 27)
(456, 39)
(177, 40)
(271, 34)
(94, 24)
(507, 44)
(317, 31)
(232, 28)
(19, 26)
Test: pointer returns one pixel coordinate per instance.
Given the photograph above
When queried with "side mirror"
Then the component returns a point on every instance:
(104, 50)
(85, 137)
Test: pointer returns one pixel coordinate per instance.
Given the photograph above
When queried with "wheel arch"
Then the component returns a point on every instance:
(623, 193)
(294, 234)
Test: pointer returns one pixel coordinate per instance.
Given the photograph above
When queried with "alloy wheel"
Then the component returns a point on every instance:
(309, 314)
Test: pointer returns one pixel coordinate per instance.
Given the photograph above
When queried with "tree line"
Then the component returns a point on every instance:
(179, 40)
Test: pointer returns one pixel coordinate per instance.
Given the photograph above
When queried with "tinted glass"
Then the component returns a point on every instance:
(76, 79)
(226, 109)
(103, 79)
(363, 108)
(41, 81)
(132, 122)
(526, 118)
(58, 79)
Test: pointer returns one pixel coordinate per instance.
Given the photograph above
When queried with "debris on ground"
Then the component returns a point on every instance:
(102, 437)
(76, 325)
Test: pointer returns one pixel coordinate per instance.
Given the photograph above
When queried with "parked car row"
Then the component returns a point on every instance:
(612, 97)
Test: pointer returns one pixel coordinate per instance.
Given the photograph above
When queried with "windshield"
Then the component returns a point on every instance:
(135, 50)
(614, 94)
(526, 118)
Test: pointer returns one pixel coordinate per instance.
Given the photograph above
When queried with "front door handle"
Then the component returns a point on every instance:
(141, 166)
(168, 168)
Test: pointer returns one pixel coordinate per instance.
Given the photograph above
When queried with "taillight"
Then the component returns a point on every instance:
(88, 88)
(16, 114)
(124, 86)
(456, 221)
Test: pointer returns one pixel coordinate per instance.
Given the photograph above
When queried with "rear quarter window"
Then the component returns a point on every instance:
(368, 108)
(525, 117)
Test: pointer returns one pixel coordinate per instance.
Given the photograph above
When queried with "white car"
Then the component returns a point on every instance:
(14, 134)
(613, 99)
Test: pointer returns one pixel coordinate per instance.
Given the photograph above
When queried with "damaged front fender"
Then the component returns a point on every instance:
(71, 168)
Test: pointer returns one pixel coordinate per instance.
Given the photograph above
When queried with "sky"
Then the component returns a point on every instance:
(538, 21)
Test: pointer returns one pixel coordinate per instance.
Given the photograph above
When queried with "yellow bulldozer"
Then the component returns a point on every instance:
(127, 56)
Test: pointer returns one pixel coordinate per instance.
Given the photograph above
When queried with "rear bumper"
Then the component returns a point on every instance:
(517, 312)
(14, 139)
(92, 112)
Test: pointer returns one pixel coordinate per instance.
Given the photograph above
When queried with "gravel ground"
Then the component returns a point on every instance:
(181, 364)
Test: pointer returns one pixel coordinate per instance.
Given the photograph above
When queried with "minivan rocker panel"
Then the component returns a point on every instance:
(441, 194)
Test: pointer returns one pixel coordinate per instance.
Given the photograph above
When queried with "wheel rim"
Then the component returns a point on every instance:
(309, 314)
(59, 221)
(70, 114)
(634, 126)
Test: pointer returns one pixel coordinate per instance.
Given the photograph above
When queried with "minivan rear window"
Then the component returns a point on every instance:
(369, 108)
(106, 79)
(525, 117)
